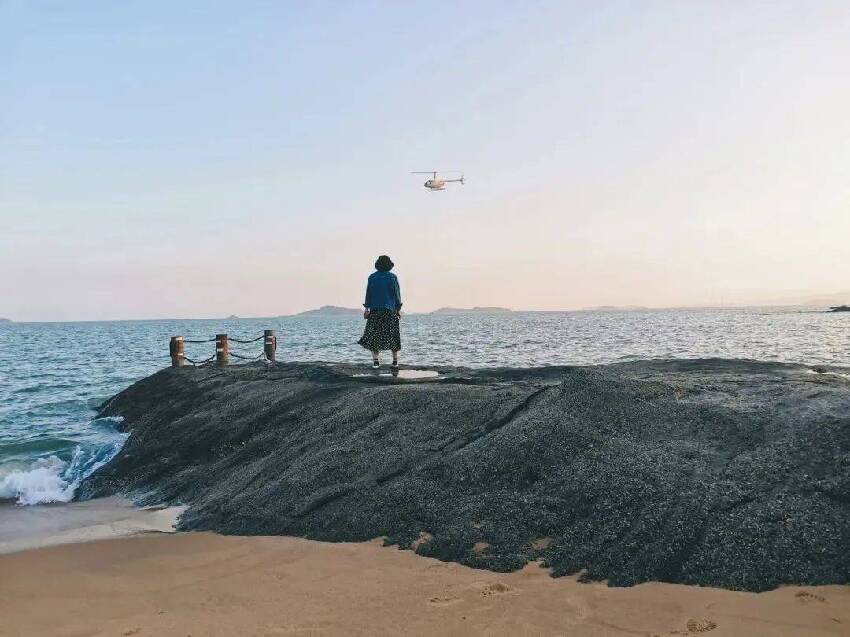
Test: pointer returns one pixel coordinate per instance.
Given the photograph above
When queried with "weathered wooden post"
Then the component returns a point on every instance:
(269, 344)
(222, 350)
(177, 349)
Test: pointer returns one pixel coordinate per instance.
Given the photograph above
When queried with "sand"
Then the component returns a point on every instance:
(204, 584)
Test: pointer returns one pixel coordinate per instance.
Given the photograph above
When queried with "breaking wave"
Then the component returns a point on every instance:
(52, 478)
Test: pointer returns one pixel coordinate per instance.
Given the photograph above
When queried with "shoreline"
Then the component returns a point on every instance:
(208, 584)
(25, 528)
(267, 454)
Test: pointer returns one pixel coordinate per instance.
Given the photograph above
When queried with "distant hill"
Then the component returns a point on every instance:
(821, 300)
(332, 310)
(473, 310)
(5, 320)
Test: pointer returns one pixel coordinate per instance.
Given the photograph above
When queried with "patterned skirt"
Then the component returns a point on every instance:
(382, 331)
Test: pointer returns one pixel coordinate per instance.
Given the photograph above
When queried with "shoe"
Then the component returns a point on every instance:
(394, 365)
(376, 365)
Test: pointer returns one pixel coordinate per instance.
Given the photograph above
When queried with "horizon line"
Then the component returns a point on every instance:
(483, 310)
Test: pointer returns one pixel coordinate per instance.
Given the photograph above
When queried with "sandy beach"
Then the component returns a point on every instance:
(205, 584)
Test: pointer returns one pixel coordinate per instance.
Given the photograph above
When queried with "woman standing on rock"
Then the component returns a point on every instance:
(382, 308)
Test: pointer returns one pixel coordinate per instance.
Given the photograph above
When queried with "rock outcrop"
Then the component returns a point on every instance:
(711, 472)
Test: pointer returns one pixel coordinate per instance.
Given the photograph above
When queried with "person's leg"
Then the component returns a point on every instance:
(395, 357)
(375, 362)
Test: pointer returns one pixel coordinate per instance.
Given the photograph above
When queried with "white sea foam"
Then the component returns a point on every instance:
(828, 373)
(40, 482)
(52, 479)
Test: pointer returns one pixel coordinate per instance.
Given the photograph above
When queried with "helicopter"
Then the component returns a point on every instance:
(434, 183)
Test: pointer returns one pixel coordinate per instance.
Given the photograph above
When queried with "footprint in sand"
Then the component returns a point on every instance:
(443, 601)
(700, 625)
(495, 588)
(438, 567)
(806, 597)
(297, 629)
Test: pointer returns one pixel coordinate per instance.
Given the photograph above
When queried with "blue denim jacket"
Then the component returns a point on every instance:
(382, 292)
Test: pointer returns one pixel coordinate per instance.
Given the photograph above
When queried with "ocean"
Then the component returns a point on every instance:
(54, 375)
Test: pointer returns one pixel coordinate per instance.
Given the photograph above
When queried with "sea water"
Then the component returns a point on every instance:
(53, 376)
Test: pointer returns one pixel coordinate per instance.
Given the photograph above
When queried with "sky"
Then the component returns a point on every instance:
(202, 158)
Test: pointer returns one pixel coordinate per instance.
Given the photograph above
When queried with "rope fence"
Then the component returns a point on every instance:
(206, 361)
(248, 358)
(223, 353)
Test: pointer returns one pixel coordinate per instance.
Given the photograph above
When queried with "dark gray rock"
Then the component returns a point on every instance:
(711, 472)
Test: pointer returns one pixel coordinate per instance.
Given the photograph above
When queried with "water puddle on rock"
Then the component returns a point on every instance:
(407, 374)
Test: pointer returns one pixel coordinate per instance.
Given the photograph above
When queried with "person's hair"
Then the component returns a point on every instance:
(384, 263)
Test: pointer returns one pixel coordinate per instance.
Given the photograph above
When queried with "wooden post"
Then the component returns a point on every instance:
(269, 344)
(222, 350)
(177, 349)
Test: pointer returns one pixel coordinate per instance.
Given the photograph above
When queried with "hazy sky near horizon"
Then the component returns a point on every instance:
(162, 159)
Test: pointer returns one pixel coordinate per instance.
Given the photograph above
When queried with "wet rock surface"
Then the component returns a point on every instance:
(711, 472)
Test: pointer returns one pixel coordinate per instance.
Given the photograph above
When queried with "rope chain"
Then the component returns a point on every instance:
(200, 363)
(206, 361)
(249, 358)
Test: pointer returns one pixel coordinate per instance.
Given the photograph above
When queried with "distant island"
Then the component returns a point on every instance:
(840, 308)
(231, 317)
(332, 310)
(5, 320)
(821, 300)
(473, 310)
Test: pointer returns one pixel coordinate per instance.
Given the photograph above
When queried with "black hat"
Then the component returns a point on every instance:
(384, 263)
